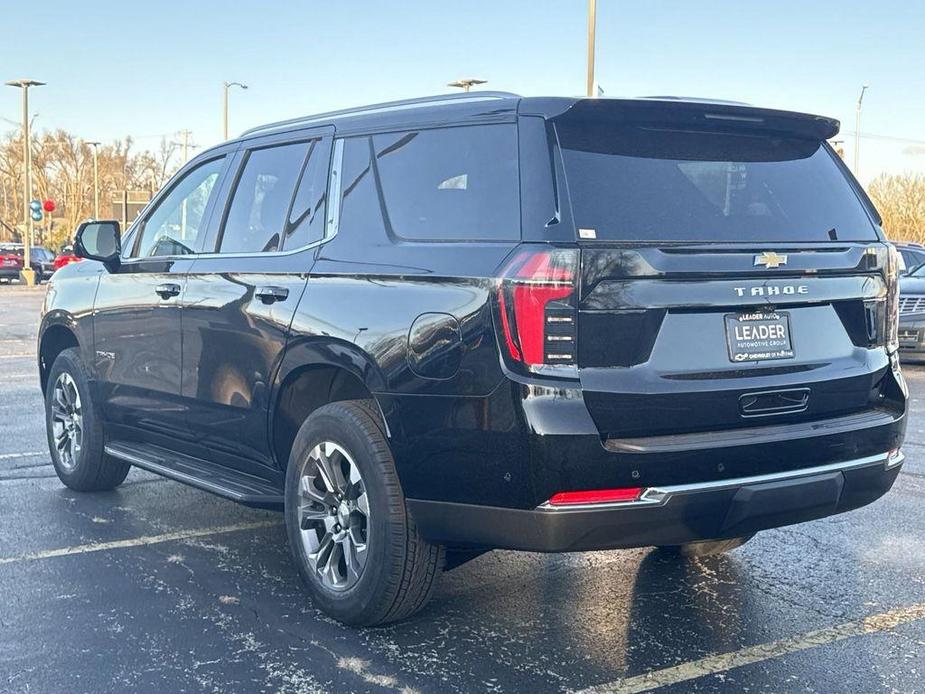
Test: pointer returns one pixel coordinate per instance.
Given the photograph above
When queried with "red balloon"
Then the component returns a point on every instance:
(48, 205)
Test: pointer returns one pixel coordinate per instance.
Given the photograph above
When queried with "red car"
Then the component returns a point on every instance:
(10, 265)
(65, 257)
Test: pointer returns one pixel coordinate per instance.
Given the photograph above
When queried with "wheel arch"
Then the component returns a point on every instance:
(314, 373)
(58, 334)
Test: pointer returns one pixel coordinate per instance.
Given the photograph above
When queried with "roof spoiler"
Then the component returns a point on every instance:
(701, 114)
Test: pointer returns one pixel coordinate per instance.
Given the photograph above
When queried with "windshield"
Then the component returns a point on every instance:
(630, 182)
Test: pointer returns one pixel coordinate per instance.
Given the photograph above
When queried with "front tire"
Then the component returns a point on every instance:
(75, 432)
(354, 542)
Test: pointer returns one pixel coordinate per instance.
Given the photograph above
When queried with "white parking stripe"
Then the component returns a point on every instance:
(884, 621)
(137, 541)
(30, 454)
(17, 356)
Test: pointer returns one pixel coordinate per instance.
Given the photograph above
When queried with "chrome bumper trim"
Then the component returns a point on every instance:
(659, 496)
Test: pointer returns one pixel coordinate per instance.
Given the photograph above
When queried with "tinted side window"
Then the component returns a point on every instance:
(306, 219)
(174, 225)
(451, 183)
(257, 216)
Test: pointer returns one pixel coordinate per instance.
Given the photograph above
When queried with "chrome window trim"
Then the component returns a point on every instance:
(254, 254)
(332, 224)
(659, 496)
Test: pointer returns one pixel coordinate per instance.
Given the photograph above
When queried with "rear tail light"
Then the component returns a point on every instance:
(893, 265)
(537, 311)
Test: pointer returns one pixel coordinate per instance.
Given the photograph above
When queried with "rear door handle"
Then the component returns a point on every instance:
(269, 295)
(167, 290)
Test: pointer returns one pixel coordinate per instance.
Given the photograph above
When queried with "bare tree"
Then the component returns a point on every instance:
(900, 199)
(63, 171)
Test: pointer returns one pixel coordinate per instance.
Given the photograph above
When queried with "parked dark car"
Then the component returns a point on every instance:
(43, 260)
(431, 328)
(913, 255)
(912, 316)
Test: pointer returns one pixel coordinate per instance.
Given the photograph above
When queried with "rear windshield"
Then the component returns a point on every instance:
(632, 183)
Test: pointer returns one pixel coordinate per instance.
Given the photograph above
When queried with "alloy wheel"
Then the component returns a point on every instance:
(333, 516)
(67, 421)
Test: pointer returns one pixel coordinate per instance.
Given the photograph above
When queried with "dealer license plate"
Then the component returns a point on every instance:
(759, 336)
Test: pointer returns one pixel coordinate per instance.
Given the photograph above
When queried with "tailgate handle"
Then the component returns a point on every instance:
(770, 402)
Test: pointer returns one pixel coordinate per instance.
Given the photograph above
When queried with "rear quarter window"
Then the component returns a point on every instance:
(446, 184)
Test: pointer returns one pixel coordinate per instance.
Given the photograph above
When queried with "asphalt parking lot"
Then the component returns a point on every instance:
(160, 587)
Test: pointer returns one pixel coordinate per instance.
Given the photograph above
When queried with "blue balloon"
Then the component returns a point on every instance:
(36, 215)
(36, 205)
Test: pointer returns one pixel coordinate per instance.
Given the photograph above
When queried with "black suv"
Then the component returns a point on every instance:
(430, 328)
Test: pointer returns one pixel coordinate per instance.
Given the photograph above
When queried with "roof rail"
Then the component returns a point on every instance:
(693, 100)
(417, 102)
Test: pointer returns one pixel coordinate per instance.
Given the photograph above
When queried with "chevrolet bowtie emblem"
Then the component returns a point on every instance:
(770, 259)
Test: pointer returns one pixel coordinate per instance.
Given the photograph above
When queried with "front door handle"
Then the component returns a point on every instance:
(167, 290)
(269, 295)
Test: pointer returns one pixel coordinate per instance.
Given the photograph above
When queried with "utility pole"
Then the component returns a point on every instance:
(185, 135)
(27, 276)
(226, 85)
(96, 179)
(592, 25)
(857, 133)
(465, 84)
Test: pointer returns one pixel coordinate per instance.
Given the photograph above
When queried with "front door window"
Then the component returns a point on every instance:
(173, 227)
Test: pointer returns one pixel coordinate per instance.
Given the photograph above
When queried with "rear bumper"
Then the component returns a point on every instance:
(667, 515)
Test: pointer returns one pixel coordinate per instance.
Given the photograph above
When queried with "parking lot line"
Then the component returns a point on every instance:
(872, 624)
(138, 541)
(29, 454)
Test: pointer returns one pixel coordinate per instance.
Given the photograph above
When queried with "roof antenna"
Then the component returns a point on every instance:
(833, 235)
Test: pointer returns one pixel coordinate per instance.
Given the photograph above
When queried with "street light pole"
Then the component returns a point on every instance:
(96, 179)
(857, 132)
(27, 276)
(592, 26)
(226, 85)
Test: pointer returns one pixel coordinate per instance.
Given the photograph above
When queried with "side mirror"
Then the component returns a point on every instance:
(99, 241)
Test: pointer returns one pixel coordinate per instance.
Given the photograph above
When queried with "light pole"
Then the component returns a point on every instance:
(465, 84)
(28, 276)
(96, 179)
(592, 26)
(225, 105)
(857, 132)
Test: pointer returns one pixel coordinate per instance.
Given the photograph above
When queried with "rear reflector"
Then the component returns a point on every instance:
(596, 496)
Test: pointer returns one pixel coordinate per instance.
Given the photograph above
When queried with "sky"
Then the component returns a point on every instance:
(150, 69)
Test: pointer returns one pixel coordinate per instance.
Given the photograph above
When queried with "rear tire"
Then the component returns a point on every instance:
(356, 546)
(75, 432)
(704, 548)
